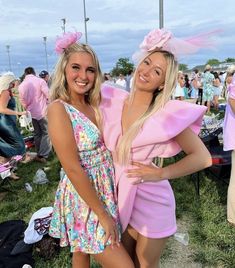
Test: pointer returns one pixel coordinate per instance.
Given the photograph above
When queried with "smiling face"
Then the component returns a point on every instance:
(150, 74)
(80, 73)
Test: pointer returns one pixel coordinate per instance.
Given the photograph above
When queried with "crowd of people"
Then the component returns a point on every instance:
(112, 202)
(205, 88)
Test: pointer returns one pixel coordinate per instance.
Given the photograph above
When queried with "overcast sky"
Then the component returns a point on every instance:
(115, 28)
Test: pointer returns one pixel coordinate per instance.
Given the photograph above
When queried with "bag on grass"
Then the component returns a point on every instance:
(40, 177)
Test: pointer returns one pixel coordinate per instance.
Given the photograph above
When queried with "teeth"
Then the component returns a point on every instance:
(142, 78)
(81, 83)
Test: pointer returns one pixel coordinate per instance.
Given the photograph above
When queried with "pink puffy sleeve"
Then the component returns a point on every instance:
(166, 124)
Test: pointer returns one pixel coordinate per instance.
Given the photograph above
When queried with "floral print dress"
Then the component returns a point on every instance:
(73, 221)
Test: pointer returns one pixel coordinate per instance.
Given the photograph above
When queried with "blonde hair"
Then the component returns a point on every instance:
(59, 90)
(159, 99)
(6, 81)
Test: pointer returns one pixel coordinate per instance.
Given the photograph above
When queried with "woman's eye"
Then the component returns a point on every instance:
(75, 67)
(91, 70)
(157, 72)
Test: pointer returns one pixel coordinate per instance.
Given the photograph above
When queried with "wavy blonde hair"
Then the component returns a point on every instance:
(159, 99)
(59, 90)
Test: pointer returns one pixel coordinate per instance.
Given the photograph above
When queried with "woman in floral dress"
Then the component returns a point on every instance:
(85, 215)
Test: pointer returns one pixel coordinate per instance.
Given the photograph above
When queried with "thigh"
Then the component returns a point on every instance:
(36, 126)
(149, 250)
(116, 257)
(80, 260)
(129, 238)
(43, 126)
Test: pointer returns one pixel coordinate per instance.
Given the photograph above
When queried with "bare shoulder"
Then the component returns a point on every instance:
(55, 107)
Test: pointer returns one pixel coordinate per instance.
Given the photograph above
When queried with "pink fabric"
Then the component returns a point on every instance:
(148, 207)
(229, 121)
(33, 94)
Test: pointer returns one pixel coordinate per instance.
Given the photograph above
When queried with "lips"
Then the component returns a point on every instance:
(141, 78)
(81, 83)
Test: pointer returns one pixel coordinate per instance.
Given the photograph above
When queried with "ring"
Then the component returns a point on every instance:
(142, 180)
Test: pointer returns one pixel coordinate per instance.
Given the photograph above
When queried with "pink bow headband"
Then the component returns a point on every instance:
(163, 39)
(66, 40)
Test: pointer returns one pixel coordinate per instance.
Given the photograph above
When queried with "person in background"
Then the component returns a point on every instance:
(143, 125)
(121, 81)
(208, 88)
(179, 94)
(228, 79)
(187, 87)
(216, 91)
(33, 95)
(195, 84)
(129, 79)
(11, 140)
(229, 144)
(45, 75)
(85, 215)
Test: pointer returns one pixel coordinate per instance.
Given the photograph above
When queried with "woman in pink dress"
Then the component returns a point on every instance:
(229, 144)
(144, 125)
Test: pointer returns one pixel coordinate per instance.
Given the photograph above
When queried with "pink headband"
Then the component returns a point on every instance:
(163, 39)
(66, 40)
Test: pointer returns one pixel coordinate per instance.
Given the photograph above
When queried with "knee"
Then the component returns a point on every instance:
(147, 261)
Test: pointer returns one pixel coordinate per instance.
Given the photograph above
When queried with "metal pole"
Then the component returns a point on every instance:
(161, 19)
(45, 44)
(85, 20)
(63, 26)
(9, 58)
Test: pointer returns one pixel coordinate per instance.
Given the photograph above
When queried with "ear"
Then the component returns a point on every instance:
(161, 88)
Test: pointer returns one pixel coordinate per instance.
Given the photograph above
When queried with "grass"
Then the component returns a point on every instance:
(211, 237)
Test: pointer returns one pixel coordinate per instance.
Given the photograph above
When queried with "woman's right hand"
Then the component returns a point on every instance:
(110, 229)
(22, 113)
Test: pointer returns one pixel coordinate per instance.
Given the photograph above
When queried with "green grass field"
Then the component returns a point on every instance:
(211, 237)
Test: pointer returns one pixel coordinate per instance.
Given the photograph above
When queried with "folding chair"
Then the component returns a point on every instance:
(5, 172)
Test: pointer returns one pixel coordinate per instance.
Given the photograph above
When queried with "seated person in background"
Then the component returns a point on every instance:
(11, 141)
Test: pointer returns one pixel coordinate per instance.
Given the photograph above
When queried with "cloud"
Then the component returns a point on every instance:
(115, 28)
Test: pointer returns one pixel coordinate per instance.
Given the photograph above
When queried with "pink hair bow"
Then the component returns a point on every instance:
(66, 40)
(164, 40)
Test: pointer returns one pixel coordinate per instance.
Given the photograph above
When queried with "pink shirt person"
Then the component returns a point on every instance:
(33, 93)
(229, 120)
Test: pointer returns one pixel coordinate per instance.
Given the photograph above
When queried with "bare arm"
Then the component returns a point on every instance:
(4, 99)
(197, 158)
(62, 138)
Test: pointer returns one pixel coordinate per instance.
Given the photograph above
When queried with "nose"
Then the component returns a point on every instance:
(83, 74)
(147, 70)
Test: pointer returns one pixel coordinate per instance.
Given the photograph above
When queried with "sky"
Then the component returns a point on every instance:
(114, 30)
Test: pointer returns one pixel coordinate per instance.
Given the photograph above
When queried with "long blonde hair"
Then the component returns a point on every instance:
(58, 89)
(159, 99)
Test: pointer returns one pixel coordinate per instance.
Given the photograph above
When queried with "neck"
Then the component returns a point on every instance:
(142, 98)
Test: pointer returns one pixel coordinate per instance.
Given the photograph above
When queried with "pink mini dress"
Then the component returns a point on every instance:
(148, 207)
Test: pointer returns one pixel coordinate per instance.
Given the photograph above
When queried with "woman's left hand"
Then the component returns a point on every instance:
(144, 173)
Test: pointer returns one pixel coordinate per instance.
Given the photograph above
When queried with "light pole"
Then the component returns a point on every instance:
(63, 26)
(161, 19)
(9, 58)
(18, 69)
(85, 19)
(45, 45)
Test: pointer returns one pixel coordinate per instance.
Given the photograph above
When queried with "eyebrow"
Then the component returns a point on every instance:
(157, 66)
(78, 64)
